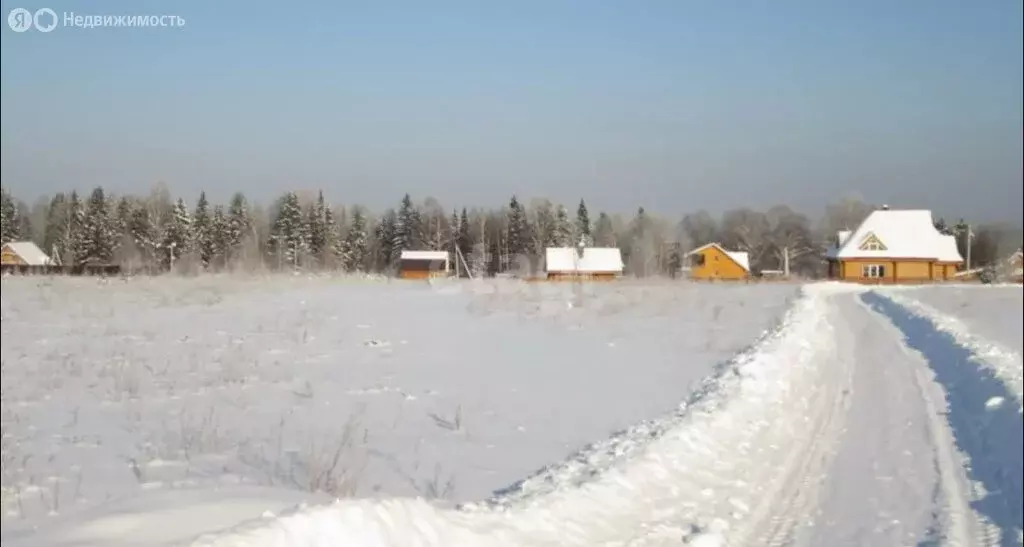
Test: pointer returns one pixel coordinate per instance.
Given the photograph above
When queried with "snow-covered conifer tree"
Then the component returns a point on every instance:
(356, 242)
(563, 229)
(219, 237)
(583, 226)
(406, 229)
(97, 240)
(516, 237)
(202, 231)
(177, 234)
(288, 234)
(384, 233)
(9, 228)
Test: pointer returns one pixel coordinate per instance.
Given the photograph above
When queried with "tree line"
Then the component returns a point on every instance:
(155, 233)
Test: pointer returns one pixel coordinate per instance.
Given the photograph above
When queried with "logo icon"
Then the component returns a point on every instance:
(20, 19)
(42, 25)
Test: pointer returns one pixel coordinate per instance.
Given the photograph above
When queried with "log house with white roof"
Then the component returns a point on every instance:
(894, 246)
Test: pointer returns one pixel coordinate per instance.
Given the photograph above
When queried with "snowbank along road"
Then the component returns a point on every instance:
(858, 421)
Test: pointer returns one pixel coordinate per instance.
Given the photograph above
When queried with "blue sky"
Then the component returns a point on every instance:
(674, 105)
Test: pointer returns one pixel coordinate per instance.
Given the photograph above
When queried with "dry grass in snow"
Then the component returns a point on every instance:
(341, 386)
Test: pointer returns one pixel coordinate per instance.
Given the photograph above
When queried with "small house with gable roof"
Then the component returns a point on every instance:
(894, 246)
(712, 262)
(424, 264)
(590, 263)
(24, 253)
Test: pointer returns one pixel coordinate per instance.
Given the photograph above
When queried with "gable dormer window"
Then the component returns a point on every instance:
(872, 243)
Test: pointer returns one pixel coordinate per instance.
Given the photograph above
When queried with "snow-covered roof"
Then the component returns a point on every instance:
(948, 250)
(841, 237)
(29, 252)
(741, 258)
(594, 260)
(424, 255)
(892, 234)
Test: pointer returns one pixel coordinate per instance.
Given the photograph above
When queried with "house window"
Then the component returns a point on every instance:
(872, 243)
(697, 260)
(873, 271)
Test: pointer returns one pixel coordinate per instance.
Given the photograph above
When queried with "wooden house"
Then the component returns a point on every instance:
(712, 262)
(23, 253)
(584, 263)
(894, 246)
(424, 264)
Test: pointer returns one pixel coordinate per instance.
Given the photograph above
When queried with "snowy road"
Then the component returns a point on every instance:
(856, 423)
(895, 479)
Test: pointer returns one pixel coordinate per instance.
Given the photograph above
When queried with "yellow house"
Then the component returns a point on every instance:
(23, 253)
(894, 246)
(713, 262)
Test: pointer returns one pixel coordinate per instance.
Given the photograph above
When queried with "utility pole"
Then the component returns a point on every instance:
(970, 236)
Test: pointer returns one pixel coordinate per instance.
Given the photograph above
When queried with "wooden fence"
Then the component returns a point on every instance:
(89, 269)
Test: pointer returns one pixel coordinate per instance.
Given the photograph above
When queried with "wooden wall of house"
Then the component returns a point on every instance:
(853, 270)
(571, 276)
(896, 271)
(916, 271)
(106, 269)
(7, 256)
(422, 274)
(716, 266)
(421, 269)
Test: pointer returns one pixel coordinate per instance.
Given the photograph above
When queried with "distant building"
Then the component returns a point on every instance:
(712, 262)
(424, 264)
(593, 263)
(894, 246)
(24, 253)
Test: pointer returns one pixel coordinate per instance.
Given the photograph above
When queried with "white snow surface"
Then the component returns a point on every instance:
(989, 320)
(137, 390)
(667, 492)
(861, 418)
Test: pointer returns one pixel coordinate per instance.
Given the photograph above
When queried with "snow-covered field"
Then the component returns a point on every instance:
(351, 387)
(558, 414)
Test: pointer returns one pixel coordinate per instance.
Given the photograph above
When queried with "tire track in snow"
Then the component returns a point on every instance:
(1003, 361)
(896, 480)
(988, 432)
(959, 524)
(802, 485)
(797, 481)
